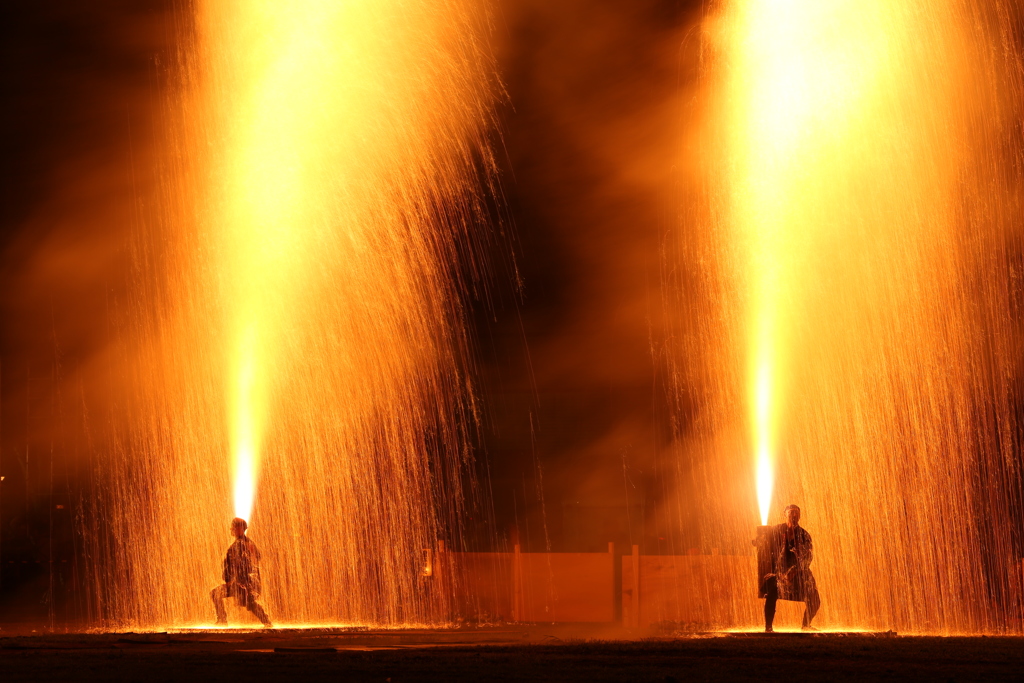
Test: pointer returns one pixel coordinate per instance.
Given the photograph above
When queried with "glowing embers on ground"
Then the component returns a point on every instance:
(862, 207)
(305, 359)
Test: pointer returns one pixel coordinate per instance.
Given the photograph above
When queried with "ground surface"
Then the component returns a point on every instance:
(502, 655)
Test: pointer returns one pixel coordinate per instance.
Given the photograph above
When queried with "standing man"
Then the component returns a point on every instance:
(241, 576)
(791, 577)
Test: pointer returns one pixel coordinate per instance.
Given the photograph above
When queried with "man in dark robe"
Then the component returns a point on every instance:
(791, 577)
(241, 576)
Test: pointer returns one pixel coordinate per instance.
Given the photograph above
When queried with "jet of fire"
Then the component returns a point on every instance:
(324, 186)
(865, 209)
(799, 79)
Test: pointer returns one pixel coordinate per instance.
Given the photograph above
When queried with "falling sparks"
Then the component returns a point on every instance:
(800, 76)
(304, 358)
(861, 200)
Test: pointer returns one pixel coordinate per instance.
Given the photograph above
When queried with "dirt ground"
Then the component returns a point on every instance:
(502, 655)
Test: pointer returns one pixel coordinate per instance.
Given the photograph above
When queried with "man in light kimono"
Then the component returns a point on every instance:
(241, 576)
(791, 577)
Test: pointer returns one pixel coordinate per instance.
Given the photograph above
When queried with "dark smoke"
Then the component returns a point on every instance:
(82, 85)
(572, 383)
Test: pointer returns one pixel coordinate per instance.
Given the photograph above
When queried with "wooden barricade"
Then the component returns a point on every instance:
(529, 587)
(699, 592)
(695, 592)
(564, 587)
(483, 585)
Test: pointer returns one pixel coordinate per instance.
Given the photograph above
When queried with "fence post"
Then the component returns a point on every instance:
(442, 582)
(1019, 625)
(517, 585)
(636, 586)
(616, 585)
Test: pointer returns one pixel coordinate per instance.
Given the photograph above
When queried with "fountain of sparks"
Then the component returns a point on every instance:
(299, 334)
(864, 217)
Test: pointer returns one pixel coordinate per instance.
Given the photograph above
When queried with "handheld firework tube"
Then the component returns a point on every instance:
(767, 543)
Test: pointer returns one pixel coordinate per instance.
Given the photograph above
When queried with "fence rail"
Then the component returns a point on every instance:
(711, 591)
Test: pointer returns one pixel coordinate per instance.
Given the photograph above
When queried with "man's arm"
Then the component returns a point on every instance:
(808, 549)
(253, 570)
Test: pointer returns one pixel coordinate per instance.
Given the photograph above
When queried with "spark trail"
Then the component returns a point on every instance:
(302, 352)
(862, 214)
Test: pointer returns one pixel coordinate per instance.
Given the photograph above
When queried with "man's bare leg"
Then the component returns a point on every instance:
(218, 595)
(812, 604)
(260, 613)
(770, 602)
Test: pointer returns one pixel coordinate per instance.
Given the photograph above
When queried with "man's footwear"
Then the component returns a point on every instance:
(769, 629)
(808, 628)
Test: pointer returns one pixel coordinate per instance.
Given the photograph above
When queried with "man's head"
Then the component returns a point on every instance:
(792, 516)
(238, 527)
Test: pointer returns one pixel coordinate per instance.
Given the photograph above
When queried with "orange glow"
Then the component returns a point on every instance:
(338, 186)
(803, 79)
(273, 62)
(763, 427)
(323, 182)
(863, 193)
(292, 88)
(245, 411)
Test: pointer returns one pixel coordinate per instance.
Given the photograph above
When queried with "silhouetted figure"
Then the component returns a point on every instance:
(791, 577)
(241, 576)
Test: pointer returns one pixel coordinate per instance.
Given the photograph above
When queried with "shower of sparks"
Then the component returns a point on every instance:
(305, 364)
(862, 200)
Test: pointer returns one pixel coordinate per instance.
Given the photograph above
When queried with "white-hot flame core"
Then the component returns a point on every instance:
(765, 476)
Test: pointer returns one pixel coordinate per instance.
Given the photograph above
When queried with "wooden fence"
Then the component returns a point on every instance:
(692, 591)
(695, 591)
